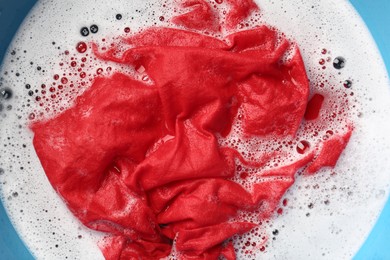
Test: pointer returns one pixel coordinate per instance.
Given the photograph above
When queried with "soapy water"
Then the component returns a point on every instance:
(315, 217)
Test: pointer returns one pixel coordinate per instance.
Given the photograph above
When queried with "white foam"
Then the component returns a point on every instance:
(343, 206)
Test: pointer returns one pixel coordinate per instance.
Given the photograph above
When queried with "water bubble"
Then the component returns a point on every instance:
(302, 147)
(84, 31)
(339, 63)
(31, 116)
(64, 80)
(329, 132)
(81, 47)
(347, 83)
(6, 93)
(94, 28)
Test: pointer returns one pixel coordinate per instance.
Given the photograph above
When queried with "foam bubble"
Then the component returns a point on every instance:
(314, 220)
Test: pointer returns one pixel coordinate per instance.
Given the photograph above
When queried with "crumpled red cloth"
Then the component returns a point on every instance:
(142, 161)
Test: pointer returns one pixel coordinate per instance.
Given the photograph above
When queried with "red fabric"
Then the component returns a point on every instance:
(239, 10)
(330, 152)
(201, 16)
(142, 162)
(314, 107)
